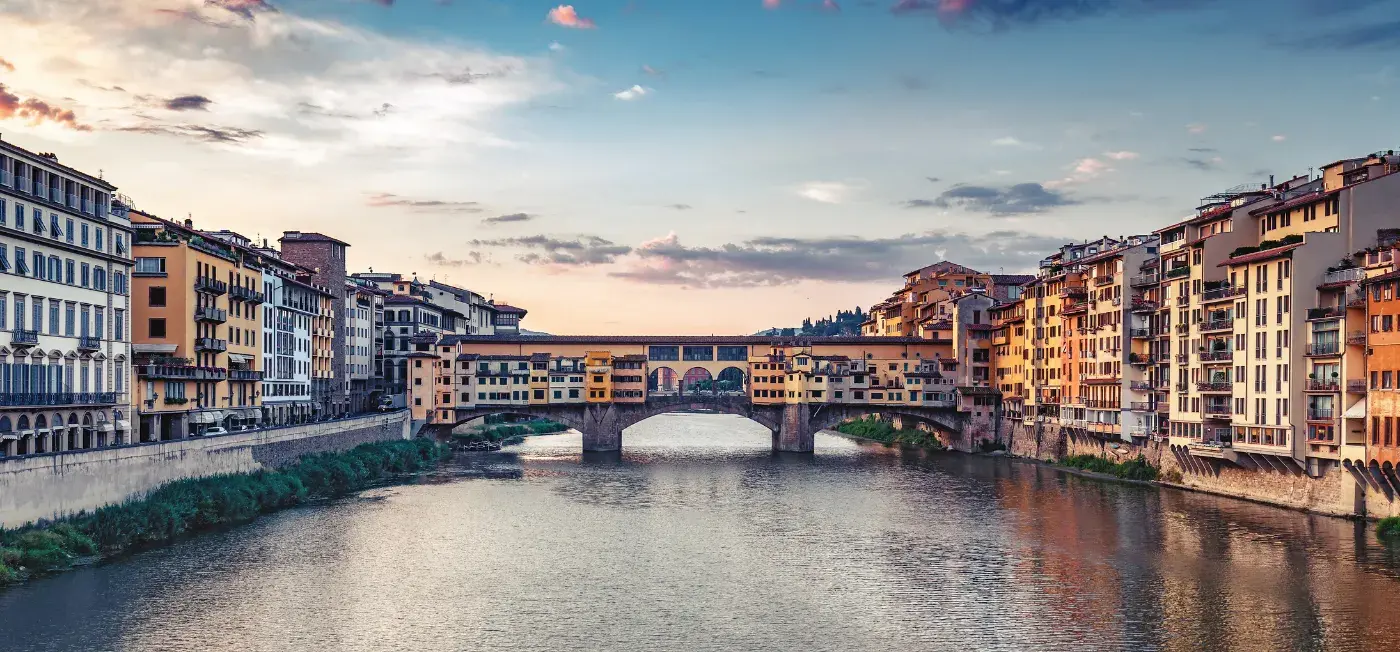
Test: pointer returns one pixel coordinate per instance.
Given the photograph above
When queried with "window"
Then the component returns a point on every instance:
(69, 231)
(157, 327)
(84, 240)
(663, 353)
(119, 325)
(149, 266)
(155, 297)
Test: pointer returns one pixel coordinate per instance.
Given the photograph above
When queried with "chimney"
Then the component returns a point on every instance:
(189, 223)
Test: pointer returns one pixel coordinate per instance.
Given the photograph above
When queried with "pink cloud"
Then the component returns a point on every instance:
(771, 4)
(36, 111)
(566, 15)
(1090, 167)
(1121, 156)
(7, 65)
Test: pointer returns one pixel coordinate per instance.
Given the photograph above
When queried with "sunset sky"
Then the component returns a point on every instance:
(694, 167)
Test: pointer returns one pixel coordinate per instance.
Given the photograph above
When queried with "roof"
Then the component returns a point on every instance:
(538, 357)
(309, 236)
(53, 163)
(680, 339)
(1295, 202)
(1388, 276)
(1261, 255)
(467, 357)
(406, 300)
(454, 290)
(505, 307)
(1012, 279)
(944, 266)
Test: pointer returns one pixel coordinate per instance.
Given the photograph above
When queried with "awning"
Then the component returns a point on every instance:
(123, 424)
(26, 433)
(240, 357)
(153, 348)
(7, 436)
(106, 426)
(203, 417)
(1357, 411)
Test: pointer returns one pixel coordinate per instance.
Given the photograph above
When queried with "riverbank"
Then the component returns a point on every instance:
(189, 506)
(884, 432)
(501, 432)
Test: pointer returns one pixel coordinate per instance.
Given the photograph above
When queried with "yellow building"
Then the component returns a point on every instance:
(599, 379)
(197, 346)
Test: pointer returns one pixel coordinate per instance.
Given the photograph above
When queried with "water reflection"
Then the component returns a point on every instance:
(697, 537)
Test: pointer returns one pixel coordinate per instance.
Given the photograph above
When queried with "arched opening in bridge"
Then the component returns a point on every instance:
(662, 382)
(731, 382)
(697, 381)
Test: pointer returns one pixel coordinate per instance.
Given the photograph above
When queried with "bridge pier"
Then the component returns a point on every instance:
(602, 429)
(795, 433)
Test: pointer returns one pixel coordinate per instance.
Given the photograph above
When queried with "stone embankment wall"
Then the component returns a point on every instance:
(59, 484)
(1337, 492)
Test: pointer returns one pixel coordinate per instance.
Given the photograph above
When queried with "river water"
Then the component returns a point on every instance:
(698, 538)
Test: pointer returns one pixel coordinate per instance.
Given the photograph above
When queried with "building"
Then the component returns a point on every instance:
(323, 257)
(477, 315)
(412, 325)
(196, 330)
(288, 310)
(1381, 381)
(364, 344)
(1009, 356)
(65, 307)
(507, 318)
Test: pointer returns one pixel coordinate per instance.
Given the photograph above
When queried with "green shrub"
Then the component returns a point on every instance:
(885, 433)
(1388, 529)
(1134, 469)
(187, 506)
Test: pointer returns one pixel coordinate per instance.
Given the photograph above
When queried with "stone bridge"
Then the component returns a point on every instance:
(793, 425)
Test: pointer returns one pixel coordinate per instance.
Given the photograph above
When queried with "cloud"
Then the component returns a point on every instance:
(1196, 128)
(582, 251)
(654, 72)
(830, 5)
(772, 4)
(267, 66)
(36, 111)
(1121, 156)
(470, 258)
(7, 65)
(1011, 141)
(679, 207)
(387, 200)
(509, 218)
(775, 261)
(188, 103)
(999, 15)
(827, 192)
(566, 16)
(1204, 164)
(998, 201)
(933, 179)
(1376, 36)
(1203, 150)
(556, 46)
(636, 92)
(1090, 167)
(1279, 138)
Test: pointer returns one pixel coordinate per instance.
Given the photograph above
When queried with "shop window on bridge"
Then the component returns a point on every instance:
(734, 353)
(664, 352)
(699, 353)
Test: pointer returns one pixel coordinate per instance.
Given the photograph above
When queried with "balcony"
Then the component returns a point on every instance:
(241, 293)
(210, 314)
(1177, 272)
(1356, 387)
(1183, 301)
(210, 285)
(1217, 387)
(1142, 406)
(24, 337)
(1324, 348)
(1216, 410)
(1140, 386)
(1356, 299)
(1182, 358)
(1356, 338)
(1217, 325)
(210, 344)
(1164, 407)
(1144, 280)
(1323, 385)
(1143, 305)
(1106, 279)
(1139, 333)
(1330, 312)
(1141, 359)
(1182, 329)
(1321, 414)
(89, 343)
(1217, 356)
(244, 374)
(1343, 276)
(1223, 293)
(50, 399)
(1073, 291)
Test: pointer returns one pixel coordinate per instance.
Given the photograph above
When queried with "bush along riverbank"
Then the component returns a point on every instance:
(500, 432)
(1134, 469)
(1388, 529)
(188, 506)
(885, 432)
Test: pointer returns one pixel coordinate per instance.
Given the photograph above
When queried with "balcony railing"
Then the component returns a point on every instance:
(209, 313)
(244, 374)
(1217, 356)
(49, 399)
(1324, 385)
(1183, 301)
(1142, 406)
(1177, 272)
(210, 285)
(1324, 348)
(1356, 299)
(1140, 386)
(1217, 386)
(1106, 279)
(1141, 358)
(1330, 312)
(211, 344)
(1217, 325)
(1139, 333)
(245, 294)
(1073, 291)
(1144, 280)
(1343, 276)
(1356, 387)
(1143, 305)
(1222, 293)
(89, 343)
(1182, 358)
(1216, 410)
(22, 336)
(1320, 414)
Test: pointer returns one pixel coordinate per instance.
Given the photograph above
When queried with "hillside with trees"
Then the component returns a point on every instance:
(844, 323)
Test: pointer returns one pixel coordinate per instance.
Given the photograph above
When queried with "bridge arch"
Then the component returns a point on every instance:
(697, 380)
(829, 415)
(663, 381)
(732, 380)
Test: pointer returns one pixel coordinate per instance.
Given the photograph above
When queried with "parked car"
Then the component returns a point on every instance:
(216, 430)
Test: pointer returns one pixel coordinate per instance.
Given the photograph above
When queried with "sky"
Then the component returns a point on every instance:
(694, 167)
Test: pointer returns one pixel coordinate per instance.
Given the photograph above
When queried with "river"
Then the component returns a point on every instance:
(698, 538)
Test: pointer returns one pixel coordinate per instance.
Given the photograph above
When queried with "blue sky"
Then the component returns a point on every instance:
(694, 167)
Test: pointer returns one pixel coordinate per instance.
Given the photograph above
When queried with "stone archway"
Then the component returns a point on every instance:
(697, 380)
(663, 381)
(732, 381)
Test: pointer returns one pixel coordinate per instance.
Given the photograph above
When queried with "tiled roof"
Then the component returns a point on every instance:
(309, 236)
(1261, 255)
(1388, 276)
(1012, 279)
(679, 339)
(1295, 202)
(503, 307)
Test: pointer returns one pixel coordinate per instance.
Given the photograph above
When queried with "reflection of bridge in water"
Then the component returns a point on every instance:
(602, 385)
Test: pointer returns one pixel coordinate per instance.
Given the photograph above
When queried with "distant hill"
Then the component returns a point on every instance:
(843, 323)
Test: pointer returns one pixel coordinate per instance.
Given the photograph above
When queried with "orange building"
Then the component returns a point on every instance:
(1383, 371)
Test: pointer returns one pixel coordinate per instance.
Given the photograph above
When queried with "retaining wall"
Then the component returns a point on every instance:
(58, 484)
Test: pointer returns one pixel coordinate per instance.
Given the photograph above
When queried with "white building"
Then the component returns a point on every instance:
(288, 307)
(65, 340)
